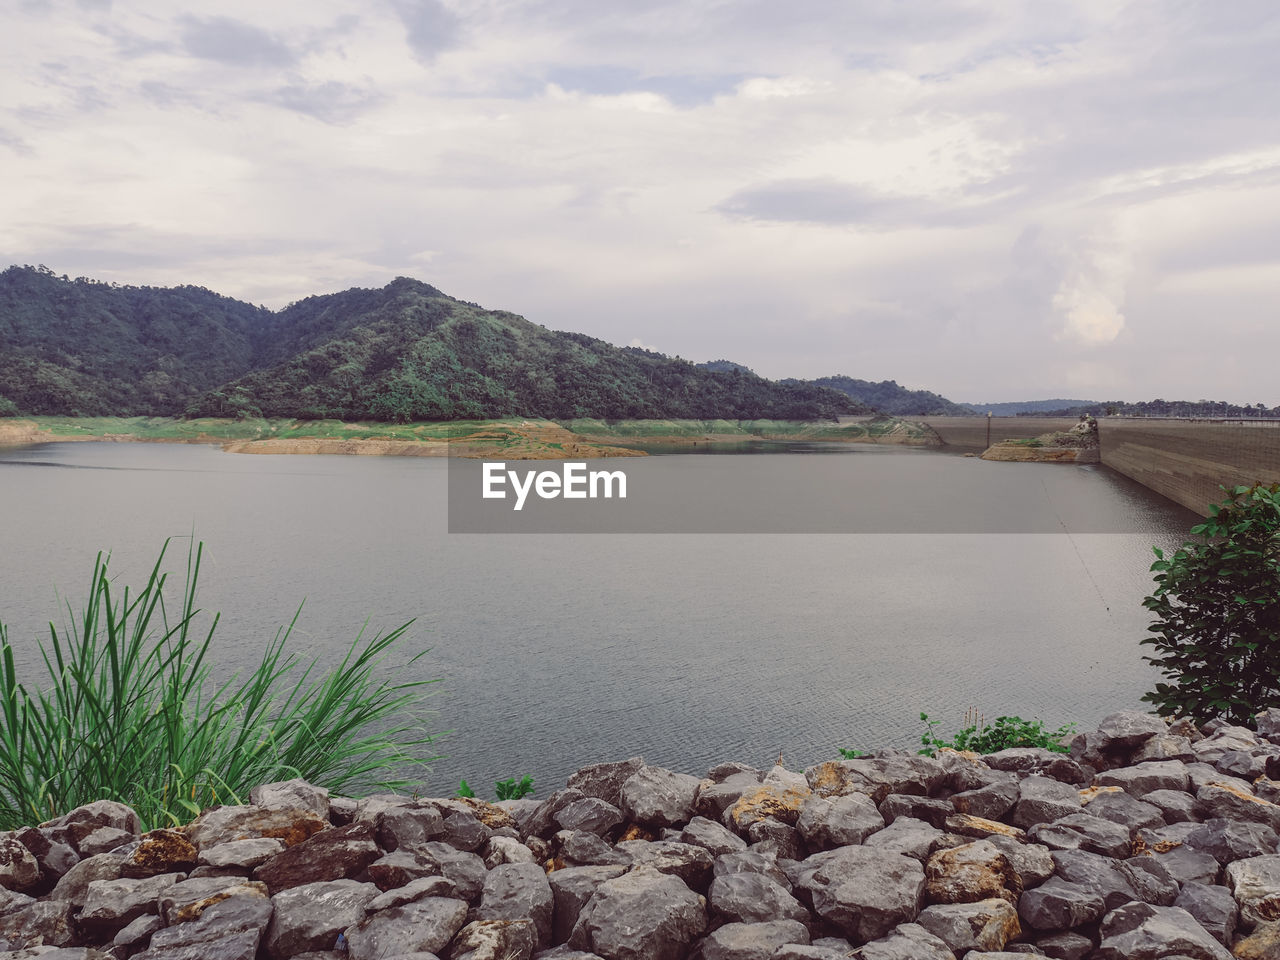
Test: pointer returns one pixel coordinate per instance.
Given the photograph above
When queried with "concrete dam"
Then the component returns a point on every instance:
(1184, 460)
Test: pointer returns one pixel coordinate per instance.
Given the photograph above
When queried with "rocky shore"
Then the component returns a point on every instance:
(1149, 841)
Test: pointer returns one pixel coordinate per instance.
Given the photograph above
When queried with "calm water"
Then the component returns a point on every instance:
(559, 650)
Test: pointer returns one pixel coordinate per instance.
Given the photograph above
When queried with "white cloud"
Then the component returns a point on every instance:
(941, 198)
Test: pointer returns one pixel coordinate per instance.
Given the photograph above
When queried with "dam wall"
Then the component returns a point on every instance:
(1187, 460)
(970, 433)
(1184, 460)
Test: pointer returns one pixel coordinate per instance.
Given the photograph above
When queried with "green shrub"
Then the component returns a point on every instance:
(7, 407)
(1217, 606)
(509, 789)
(128, 713)
(980, 737)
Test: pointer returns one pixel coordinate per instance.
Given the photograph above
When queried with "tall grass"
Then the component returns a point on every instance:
(128, 712)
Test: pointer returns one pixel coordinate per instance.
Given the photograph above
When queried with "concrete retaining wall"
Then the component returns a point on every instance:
(1187, 460)
(1184, 460)
(970, 433)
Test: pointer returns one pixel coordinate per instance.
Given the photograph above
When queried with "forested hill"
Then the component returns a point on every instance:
(404, 352)
(888, 397)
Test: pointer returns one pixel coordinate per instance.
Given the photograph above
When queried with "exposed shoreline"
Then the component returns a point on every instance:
(512, 439)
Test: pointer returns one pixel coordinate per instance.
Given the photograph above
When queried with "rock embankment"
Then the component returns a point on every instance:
(1150, 841)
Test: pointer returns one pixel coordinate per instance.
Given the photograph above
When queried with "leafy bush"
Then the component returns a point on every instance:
(509, 789)
(129, 714)
(1217, 608)
(980, 737)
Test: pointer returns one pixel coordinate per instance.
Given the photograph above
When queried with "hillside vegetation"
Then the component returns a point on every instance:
(405, 352)
(888, 397)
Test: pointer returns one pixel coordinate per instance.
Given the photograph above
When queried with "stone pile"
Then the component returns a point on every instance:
(1150, 841)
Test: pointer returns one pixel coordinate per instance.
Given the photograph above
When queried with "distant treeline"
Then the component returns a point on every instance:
(1161, 408)
(404, 352)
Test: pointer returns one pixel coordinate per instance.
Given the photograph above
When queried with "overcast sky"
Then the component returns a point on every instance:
(993, 200)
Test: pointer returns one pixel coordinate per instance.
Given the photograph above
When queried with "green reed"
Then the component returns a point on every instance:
(128, 712)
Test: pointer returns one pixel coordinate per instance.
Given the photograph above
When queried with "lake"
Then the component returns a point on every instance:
(557, 650)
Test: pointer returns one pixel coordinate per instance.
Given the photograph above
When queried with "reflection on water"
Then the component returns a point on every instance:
(558, 650)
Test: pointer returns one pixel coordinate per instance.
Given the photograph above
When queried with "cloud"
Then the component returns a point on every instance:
(331, 102)
(233, 42)
(1090, 299)
(430, 26)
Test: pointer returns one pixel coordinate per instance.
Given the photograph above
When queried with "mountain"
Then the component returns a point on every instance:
(1016, 407)
(888, 397)
(724, 366)
(402, 352)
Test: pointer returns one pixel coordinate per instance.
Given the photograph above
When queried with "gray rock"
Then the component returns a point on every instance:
(294, 794)
(1165, 746)
(984, 925)
(579, 848)
(74, 884)
(1041, 800)
(1080, 831)
(1175, 805)
(864, 892)
(1069, 771)
(241, 854)
(407, 827)
(1065, 945)
(502, 849)
(1150, 879)
(19, 868)
(226, 927)
(100, 813)
(590, 814)
(411, 891)
(1139, 931)
(1213, 907)
(750, 861)
(1242, 764)
(1231, 840)
(604, 780)
(969, 873)
(333, 854)
(136, 935)
(540, 821)
(1186, 865)
(1268, 724)
(990, 802)
(222, 824)
(464, 870)
(775, 838)
(1031, 862)
(657, 797)
(423, 926)
(1124, 810)
(842, 820)
(112, 904)
(516, 891)
(907, 836)
(571, 888)
(715, 798)
(1128, 729)
(1022, 760)
(495, 940)
(1059, 904)
(877, 776)
(691, 864)
(55, 856)
(46, 922)
(310, 916)
(1229, 801)
(712, 836)
(1255, 884)
(1098, 873)
(464, 830)
(907, 941)
(932, 810)
(400, 868)
(753, 898)
(750, 941)
(641, 915)
(1223, 741)
(188, 899)
(1143, 778)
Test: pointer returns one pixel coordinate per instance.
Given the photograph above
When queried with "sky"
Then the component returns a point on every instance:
(994, 201)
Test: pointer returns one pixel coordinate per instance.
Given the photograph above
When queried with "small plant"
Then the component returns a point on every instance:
(513, 789)
(1217, 608)
(509, 789)
(850, 754)
(980, 737)
(128, 712)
